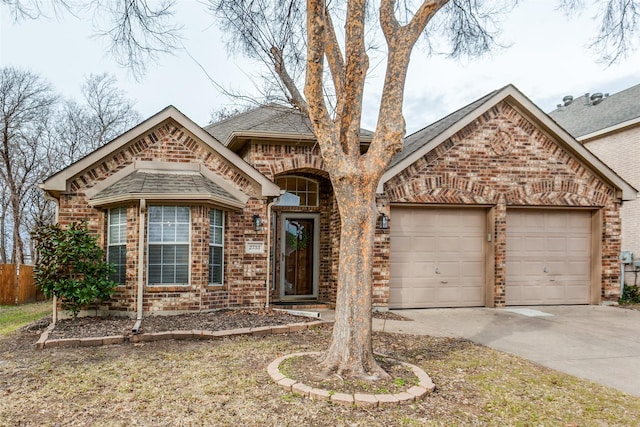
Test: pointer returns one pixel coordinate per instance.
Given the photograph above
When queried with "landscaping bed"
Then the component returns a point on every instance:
(221, 320)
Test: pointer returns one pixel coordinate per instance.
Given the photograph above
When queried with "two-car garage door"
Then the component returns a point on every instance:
(439, 257)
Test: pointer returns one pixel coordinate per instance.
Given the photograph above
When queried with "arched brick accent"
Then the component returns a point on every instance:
(445, 188)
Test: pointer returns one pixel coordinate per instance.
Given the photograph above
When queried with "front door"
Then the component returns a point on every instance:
(299, 240)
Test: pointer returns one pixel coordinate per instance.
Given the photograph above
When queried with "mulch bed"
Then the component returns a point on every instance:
(222, 320)
(84, 327)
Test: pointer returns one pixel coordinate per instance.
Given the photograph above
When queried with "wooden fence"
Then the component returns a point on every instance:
(17, 285)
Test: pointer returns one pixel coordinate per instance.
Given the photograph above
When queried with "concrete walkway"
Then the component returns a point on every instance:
(599, 343)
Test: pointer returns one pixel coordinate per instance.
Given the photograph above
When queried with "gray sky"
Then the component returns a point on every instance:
(547, 59)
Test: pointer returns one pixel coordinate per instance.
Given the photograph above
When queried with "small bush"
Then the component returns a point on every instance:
(71, 266)
(630, 295)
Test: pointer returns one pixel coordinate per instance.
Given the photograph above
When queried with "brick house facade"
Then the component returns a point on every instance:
(206, 226)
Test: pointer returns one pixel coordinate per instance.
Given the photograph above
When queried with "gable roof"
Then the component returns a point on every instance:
(588, 116)
(58, 182)
(271, 121)
(425, 140)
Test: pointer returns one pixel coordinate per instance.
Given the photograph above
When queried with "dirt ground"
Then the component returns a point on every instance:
(224, 383)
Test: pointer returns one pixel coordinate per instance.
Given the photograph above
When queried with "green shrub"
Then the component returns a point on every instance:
(71, 266)
(630, 295)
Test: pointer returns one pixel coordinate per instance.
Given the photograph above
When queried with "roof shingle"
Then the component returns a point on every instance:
(155, 183)
(582, 116)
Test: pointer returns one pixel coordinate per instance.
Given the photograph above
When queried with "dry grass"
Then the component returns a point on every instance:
(172, 383)
(14, 317)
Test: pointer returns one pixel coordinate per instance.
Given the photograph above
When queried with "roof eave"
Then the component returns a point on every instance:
(238, 139)
(169, 197)
(611, 129)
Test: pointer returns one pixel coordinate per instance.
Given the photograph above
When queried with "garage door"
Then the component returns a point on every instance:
(437, 257)
(548, 257)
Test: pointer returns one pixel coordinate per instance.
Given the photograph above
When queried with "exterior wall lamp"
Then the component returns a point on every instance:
(384, 221)
(257, 223)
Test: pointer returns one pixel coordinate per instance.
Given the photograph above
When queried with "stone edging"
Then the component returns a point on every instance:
(45, 342)
(425, 386)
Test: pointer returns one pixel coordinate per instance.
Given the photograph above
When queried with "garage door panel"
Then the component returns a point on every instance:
(422, 270)
(579, 245)
(443, 257)
(529, 245)
(404, 243)
(579, 269)
(401, 269)
(556, 244)
(548, 257)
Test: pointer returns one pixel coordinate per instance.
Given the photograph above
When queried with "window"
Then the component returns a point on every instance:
(117, 244)
(169, 245)
(216, 239)
(305, 188)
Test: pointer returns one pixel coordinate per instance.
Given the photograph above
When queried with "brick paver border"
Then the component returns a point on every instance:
(425, 386)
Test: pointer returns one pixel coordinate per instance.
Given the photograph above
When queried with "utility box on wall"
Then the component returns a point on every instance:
(626, 257)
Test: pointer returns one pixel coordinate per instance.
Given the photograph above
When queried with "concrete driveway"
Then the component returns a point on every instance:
(599, 343)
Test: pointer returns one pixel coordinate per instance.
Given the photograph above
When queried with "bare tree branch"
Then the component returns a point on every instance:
(138, 32)
(619, 26)
(26, 102)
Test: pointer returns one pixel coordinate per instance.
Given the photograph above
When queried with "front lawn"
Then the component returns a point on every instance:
(224, 383)
(13, 317)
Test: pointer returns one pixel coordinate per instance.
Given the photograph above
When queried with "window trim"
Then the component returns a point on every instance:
(149, 243)
(212, 245)
(123, 243)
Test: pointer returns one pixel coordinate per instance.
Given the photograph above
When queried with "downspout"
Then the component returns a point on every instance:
(56, 202)
(141, 245)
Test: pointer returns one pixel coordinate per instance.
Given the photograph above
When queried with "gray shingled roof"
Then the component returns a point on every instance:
(270, 118)
(582, 117)
(413, 142)
(157, 183)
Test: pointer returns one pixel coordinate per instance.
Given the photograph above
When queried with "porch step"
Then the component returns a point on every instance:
(301, 305)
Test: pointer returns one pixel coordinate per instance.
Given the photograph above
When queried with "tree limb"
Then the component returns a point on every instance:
(390, 129)
(313, 90)
(357, 64)
(334, 58)
(295, 97)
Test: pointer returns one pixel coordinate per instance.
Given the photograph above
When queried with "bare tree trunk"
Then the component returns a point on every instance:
(17, 251)
(3, 226)
(351, 352)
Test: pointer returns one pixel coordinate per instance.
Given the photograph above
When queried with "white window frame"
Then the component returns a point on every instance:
(165, 226)
(120, 241)
(213, 244)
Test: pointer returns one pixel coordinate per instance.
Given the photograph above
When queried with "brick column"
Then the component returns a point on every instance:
(500, 247)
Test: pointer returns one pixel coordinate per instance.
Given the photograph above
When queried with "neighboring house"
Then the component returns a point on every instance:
(493, 205)
(609, 126)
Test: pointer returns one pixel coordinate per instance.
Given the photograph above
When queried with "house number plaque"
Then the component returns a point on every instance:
(254, 248)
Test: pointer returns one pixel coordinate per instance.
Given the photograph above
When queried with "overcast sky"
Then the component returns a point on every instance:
(547, 59)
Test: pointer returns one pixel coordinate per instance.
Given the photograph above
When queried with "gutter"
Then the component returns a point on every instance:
(143, 210)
